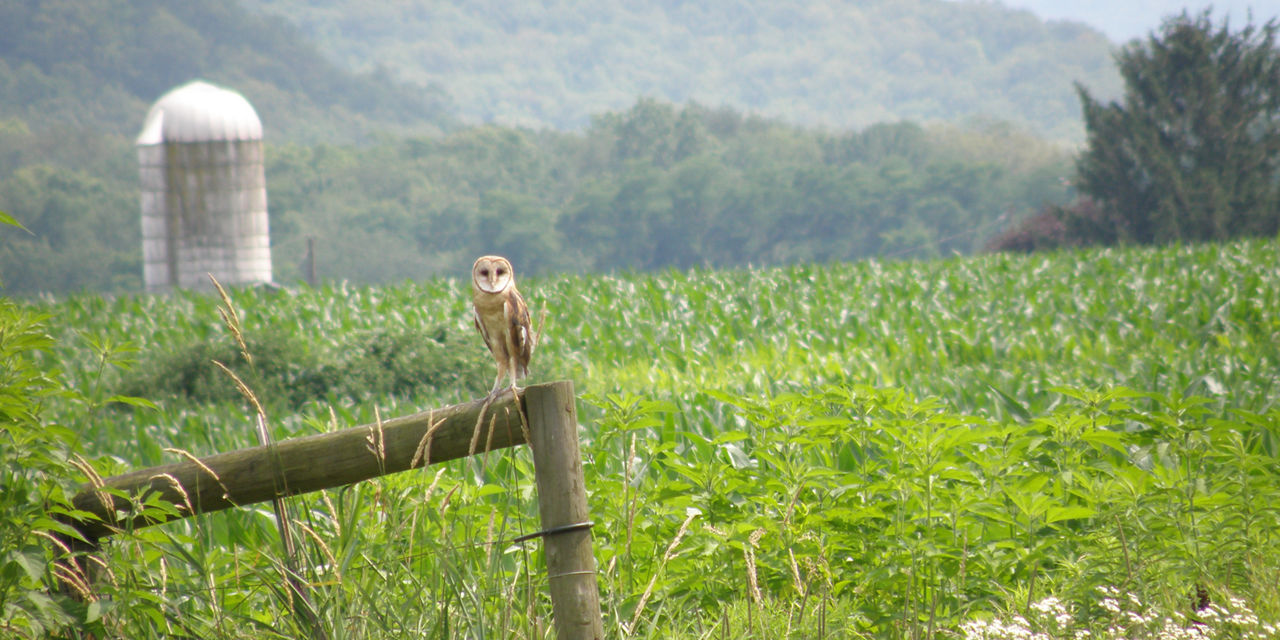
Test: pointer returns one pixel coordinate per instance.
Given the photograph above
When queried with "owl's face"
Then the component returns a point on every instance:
(492, 274)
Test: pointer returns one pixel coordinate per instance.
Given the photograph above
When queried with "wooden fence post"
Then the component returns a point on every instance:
(562, 505)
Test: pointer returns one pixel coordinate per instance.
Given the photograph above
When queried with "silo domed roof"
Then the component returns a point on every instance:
(199, 111)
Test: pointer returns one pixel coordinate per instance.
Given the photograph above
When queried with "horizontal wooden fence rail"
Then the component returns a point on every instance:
(305, 464)
(329, 460)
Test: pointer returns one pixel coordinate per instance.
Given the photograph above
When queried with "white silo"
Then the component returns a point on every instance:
(204, 191)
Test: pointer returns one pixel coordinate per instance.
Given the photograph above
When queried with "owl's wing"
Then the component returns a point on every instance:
(520, 328)
(484, 333)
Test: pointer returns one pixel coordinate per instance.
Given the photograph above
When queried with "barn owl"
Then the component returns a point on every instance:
(502, 318)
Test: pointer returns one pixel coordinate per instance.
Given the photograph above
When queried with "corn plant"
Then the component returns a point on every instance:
(880, 449)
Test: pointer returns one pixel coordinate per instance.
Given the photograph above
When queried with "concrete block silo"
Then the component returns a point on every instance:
(204, 191)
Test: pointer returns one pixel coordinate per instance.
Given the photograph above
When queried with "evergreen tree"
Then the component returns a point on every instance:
(1193, 153)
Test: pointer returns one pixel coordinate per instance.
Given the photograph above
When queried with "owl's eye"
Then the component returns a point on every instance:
(484, 272)
(501, 271)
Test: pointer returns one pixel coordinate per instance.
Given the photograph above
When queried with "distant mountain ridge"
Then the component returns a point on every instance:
(830, 63)
(1124, 21)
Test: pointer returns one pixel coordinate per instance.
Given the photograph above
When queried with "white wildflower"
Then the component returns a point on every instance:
(1050, 604)
(974, 629)
(1244, 619)
(1053, 619)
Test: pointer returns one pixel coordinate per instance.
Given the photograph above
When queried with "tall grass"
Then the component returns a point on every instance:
(886, 449)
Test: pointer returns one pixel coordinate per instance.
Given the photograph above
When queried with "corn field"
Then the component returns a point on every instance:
(878, 449)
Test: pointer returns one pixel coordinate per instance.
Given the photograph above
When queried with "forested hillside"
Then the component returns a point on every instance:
(76, 79)
(649, 185)
(832, 63)
(95, 66)
(1124, 21)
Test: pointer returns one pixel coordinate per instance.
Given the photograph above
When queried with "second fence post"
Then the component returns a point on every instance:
(562, 505)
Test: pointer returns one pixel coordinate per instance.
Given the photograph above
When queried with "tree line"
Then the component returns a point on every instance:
(845, 65)
(655, 186)
(652, 187)
(1191, 152)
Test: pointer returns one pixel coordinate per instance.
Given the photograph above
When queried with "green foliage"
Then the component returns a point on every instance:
(1115, 615)
(822, 63)
(82, 232)
(11, 221)
(282, 370)
(1193, 151)
(412, 362)
(921, 514)
(287, 369)
(76, 79)
(652, 187)
(99, 65)
(36, 476)
(879, 449)
(648, 187)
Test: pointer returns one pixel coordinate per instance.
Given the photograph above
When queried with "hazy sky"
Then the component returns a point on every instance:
(1126, 19)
